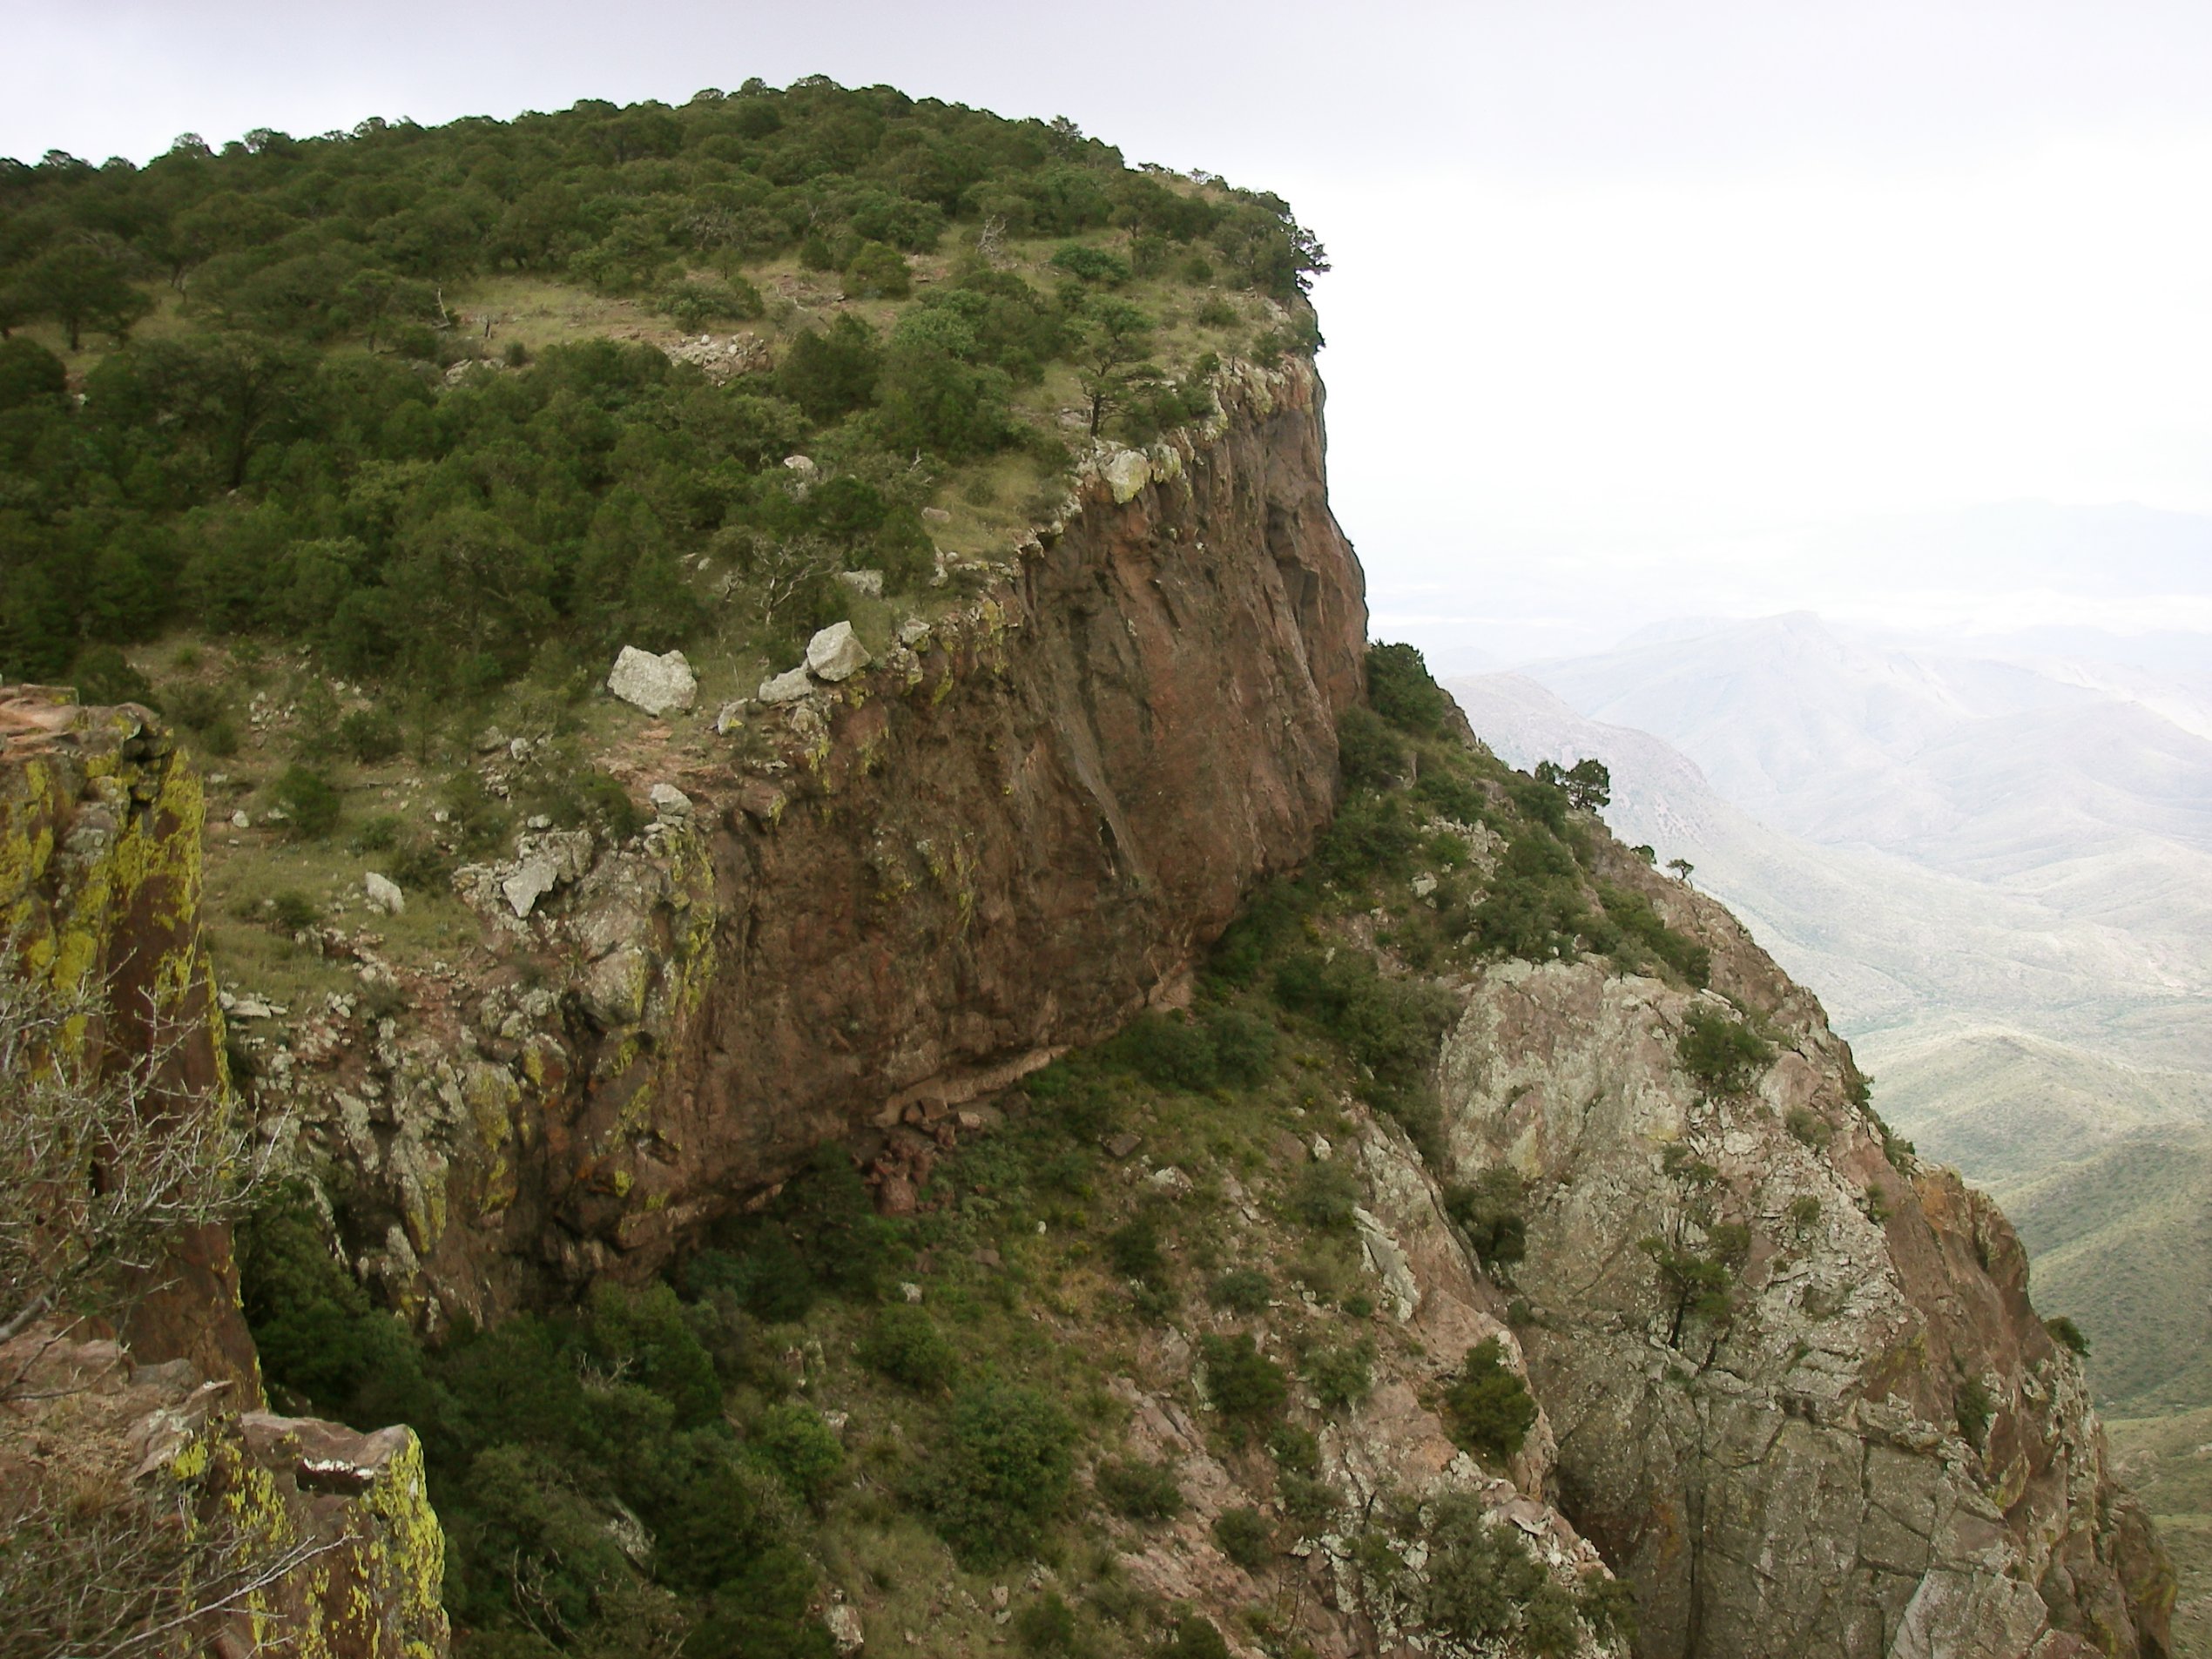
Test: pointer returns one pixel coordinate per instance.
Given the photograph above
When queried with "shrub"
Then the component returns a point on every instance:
(878, 273)
(1804, 1210)
(1046, 1626)
(1637, 919)
(192, 705)
(102, 674)
(1244, 1047)
(1091, 264)
(1241, 1290)
(1341, 1373)
(1368, 751)
(290, 910)
(1134, 1250)
(1244, 1537)
(802, 1448)
(1243, 1384)
(905, 1345)
(2067, 1334)
(1139, 1491)
(369, 735)
(1311, 1501)
(309, 801)
(220, 737)
(1295, 1450)
(419, 865)
(1480, 1575)
(479, 823)
(1401, 689)
(1168, 1051)
(1324, 1195)
(1196, 1638)
(1488, 1407)
(1972, 1405)
(1724, 1056)
(644, 1335)
(1006, 1468)
(1811, 1127)
(1488, 1210)
(1392, 1027)
(831, 372)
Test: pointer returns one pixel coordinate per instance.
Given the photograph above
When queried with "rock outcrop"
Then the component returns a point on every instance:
(100, 851)
(1877, 1449)
(259, 1533)
(137, 1476)
(906, 886)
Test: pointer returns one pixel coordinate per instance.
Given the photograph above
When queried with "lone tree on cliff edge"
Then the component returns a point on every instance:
(1589, 784)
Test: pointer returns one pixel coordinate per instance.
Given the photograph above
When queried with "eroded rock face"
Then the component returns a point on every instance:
(1389, 1456)
(1880, 1451)
(1000, 840)
(297, 1534)
(301, 1534)
(100, 870)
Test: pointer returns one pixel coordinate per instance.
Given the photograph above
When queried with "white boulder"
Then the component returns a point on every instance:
(383, 893)
(835, 654)
(869, 583)
(653, 684)
(787, 687)
(533, 879)
(669, 801)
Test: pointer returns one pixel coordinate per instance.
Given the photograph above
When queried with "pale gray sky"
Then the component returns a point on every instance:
(1639, 307)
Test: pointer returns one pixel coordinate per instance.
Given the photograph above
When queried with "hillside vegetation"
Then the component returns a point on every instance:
(235, 391)
(912, 1410)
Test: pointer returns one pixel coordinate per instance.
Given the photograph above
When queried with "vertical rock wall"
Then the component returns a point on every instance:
(308, 1536)
(895, 893)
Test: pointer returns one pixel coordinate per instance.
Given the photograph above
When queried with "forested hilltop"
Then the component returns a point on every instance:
(236, 392)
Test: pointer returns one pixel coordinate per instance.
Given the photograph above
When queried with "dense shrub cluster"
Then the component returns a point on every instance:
(1724, 1055)
(290, 460)
(1488, 1407)
(540, 1430)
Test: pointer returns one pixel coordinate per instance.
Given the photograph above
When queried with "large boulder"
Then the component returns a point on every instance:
(653, 684)
(836, 653)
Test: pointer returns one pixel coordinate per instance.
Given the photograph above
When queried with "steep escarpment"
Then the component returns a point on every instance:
(142, 1493)
(863, 905)
(1802, 1401)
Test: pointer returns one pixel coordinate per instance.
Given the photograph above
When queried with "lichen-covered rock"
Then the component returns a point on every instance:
(297, 1535)
(101, 824)
(1869, 1446)
(792, 685)
(653, 684)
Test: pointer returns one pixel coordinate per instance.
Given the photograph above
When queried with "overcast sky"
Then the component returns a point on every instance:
(1639, 308)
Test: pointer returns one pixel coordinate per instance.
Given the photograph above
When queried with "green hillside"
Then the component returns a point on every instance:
(237, 395)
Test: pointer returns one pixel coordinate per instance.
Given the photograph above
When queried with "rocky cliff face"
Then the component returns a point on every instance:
(864, 905)
(100, 829)
(138, 1480)
(1870, 1446)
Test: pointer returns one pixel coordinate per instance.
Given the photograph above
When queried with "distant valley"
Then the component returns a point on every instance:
(1996, 869)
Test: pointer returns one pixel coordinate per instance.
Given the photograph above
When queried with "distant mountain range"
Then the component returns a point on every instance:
(1994, 860)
